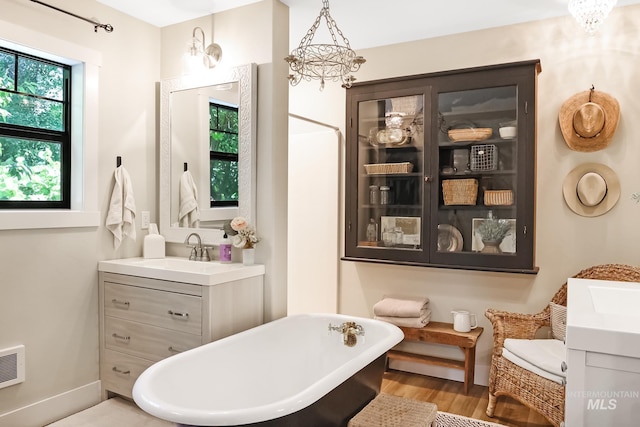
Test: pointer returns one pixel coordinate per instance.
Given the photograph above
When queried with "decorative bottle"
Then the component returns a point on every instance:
(225, 249)
(372, 231)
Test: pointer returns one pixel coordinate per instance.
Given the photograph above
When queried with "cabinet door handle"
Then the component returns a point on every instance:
(173, 350)
(118, 302)
(563, 366)
(427, 178)
(120, 371)
(178, 314)
(120, 337)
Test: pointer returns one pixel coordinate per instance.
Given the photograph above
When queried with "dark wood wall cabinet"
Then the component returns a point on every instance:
(441, 169)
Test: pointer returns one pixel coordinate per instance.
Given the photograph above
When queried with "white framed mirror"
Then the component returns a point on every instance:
(184, 139)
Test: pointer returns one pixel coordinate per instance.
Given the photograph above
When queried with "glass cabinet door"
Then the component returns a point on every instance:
(477, 150)
(390, 176)
(441, 169)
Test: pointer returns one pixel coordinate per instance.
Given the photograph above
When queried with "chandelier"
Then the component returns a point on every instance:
(591, 14)
(336, 62)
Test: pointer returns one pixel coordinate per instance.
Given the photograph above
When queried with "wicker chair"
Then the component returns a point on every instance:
(506, 378)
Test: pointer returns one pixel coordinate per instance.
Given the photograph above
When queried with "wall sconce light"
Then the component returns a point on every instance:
(210, 55)
(591, 14)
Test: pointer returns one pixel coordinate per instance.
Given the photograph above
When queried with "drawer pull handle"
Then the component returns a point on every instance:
(118, 302)
(173, 350)
(178, 314)
(121, 372)
(120, 337)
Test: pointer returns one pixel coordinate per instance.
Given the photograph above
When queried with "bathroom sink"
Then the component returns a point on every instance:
(178, 269)
(616, 300)
(603, 316)
(182, 264)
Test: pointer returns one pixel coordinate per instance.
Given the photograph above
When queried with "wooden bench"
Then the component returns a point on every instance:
(441, 333)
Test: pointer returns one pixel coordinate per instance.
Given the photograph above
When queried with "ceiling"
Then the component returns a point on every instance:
(383, 22)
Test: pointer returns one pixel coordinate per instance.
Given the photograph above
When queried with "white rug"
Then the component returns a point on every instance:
(114, 412)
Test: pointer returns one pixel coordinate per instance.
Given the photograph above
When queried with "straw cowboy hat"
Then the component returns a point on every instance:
(591, 189)
(588, 120)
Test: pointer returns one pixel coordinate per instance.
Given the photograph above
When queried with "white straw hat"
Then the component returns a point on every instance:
(591, 189)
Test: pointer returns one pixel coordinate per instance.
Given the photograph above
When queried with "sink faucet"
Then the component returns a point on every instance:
(196, 250)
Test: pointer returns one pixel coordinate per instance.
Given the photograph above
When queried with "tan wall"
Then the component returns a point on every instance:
(48, 290)
(566, 243)
(259, 34)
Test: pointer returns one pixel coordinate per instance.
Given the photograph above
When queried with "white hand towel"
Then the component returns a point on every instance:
(122, 208)
(401, 306)
(189, 215)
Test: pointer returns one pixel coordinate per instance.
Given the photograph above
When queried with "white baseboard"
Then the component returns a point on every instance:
(53, 408)
(481, 372)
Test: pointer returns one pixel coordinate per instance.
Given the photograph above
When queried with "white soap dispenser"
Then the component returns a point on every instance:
(153, 246)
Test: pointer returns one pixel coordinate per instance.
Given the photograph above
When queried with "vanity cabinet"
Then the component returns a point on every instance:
(144, 320)
(432, 157)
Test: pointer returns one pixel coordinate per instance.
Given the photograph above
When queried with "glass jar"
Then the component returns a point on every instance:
(374, 195)
(399, 235)
(388, 237)
(384, 195)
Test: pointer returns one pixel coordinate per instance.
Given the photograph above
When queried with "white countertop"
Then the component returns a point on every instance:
(178, 269)
(604, 316)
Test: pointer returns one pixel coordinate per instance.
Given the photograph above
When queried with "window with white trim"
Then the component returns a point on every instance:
(35, 132)
(84, 65)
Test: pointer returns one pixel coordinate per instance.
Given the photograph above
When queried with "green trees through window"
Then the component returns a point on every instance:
(35, 141)
(223, 154)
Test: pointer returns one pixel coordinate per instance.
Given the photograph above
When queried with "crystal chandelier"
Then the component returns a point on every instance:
(591, 14)
(335, 62)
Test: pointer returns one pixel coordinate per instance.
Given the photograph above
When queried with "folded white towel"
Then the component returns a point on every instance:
(409, 322)
(189, 215)
(122, 208)
(401, 306)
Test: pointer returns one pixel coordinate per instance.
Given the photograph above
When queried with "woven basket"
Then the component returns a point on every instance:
(388, 168)
(390, 410)
(498, 198)
(473, 134)
(460, 191)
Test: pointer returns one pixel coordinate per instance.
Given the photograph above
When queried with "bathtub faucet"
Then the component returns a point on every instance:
(349, 331)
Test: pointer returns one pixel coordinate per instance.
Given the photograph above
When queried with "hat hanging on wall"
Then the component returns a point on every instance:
(588, 120)
(591, 189)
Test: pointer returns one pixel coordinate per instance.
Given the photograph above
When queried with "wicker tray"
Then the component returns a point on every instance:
(460, 191)
(388, 168)
(498, 198)
(473, 134)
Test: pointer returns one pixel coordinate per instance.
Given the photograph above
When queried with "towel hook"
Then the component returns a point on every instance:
(185, 166)
(118, 161)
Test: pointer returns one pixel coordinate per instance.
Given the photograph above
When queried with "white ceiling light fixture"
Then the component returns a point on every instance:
(210, 55)
(316, 61)
(591, 14)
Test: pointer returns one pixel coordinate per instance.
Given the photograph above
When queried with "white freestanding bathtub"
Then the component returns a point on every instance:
(293, 371)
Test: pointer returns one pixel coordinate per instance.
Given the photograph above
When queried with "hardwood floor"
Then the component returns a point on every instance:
(449, 397)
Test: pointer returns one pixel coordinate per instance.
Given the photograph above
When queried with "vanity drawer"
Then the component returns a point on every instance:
(159, 308)
(146, 341)
(119, 371)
